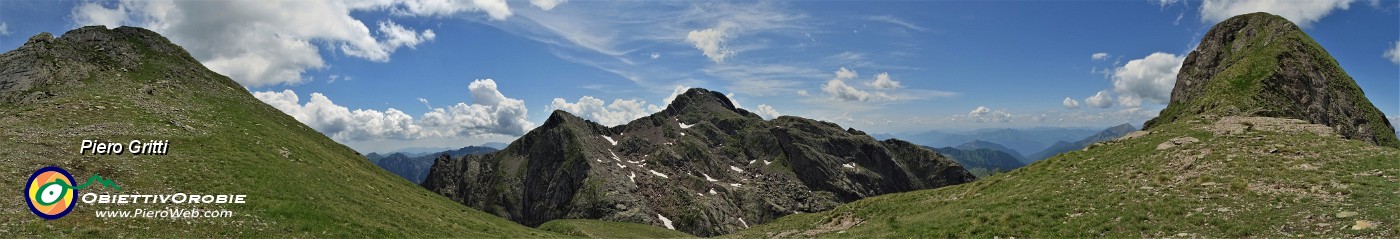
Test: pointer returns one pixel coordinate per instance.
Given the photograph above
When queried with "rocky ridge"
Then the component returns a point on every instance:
(700, 166)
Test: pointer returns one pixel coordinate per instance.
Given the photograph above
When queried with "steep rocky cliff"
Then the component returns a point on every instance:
(701, 166)
(1261, 64)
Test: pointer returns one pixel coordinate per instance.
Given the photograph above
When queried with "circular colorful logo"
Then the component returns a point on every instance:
(50, 192)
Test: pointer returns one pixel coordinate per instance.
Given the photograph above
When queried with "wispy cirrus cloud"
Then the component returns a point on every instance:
(898, 22)
(265, 43)
(629, 39)
(1303, 13)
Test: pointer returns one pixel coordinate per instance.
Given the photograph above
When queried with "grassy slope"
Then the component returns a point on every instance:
(1130, 189)
(234, 146)
(606, 229)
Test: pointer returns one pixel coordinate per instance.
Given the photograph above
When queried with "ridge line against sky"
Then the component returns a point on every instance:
(368, 73)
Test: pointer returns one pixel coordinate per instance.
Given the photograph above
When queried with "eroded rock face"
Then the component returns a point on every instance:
(705, 166)
(1262, 65)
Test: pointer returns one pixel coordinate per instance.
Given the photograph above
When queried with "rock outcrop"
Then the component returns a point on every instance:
(700, 166)
(1260, 64)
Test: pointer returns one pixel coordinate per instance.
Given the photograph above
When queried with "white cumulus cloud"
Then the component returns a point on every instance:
(1099, 56)
(396, 36)
(496, 9)
(710, 42)
(1148, 79)
(1071, 103)
(547, 4)
(767, 111)
(4, 29)
(845, 74)
(677, 91)
(839, 90)
(883, 82)
(1099, 100)
(617, 113)
(490, 113)
(982, 114)
(1303, 13)
(733, 100)
(1393, 54)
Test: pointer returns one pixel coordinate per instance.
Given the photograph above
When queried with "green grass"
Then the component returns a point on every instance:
(322, 189)
(606, 229)
(1224, 186)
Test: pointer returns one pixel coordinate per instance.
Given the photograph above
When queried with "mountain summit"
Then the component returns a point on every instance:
(1261, 64)
(702, 100)
(117, 85)
(700, 166)
(1209, 167)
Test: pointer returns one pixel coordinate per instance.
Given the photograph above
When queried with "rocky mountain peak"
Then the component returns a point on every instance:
(704, 101)
(559, 117)
(1261, 64)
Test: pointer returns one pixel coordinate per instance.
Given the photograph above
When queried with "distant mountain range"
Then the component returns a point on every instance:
(414, 151)
(495, 145)
(1063, 146)
(1019, 141)
(979, 144)
(414, 167)
(421, 151)
(983, 158)
(981, 162)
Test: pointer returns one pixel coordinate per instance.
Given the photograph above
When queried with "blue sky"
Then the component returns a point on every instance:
(382, 75)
